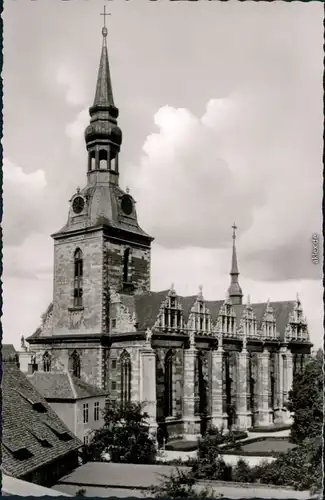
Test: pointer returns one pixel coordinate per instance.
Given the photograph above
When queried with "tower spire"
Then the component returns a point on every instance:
(103, 136)
(104, 91)
(234, 291)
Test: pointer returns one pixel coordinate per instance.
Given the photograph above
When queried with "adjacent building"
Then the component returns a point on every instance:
(36, 445)
(79, 405)
(193, 361)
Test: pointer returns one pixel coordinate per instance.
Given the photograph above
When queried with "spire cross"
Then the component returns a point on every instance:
(234, 228)
(105, 14)
(104, 30)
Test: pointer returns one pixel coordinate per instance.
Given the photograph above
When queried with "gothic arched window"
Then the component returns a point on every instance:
(168, 386)
(75, 358)
(46, 362)
(78, 274)
(126, 265)
(125, 362)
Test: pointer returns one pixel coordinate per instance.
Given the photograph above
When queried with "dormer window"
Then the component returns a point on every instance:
(78, 278)
(63, 435)
(37, 406)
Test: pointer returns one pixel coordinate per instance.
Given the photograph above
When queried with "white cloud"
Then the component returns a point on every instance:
(75, 132)
(23, 194)
(74, 89)
(198, 175)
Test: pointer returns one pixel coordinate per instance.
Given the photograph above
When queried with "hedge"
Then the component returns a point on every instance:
(270, 428)
(184, 445)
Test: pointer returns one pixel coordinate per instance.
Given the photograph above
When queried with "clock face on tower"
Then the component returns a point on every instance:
(78, 204)
(127, 205)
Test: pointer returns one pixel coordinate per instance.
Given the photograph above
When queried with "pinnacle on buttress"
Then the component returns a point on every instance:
(234, 291)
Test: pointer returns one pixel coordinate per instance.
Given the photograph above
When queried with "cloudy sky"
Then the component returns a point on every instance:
(221, 109)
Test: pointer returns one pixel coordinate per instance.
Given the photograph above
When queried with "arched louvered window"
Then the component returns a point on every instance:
(75, 362)
(78, 278)
(168, 386)
(126, 259)
(46, 362)
(125, 362)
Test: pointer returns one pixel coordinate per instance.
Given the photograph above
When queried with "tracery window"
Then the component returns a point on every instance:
(168, 384)
(46, 362)
(75, 359)
(78, 278)
(125, 362)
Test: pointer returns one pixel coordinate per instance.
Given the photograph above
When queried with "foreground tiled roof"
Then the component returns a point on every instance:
(13, 486)
(33, 435)
(8, 352)
(53, 385)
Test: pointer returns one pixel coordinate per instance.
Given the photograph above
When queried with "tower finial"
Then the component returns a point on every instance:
(234, 228)
(234, 291)
(104, 29)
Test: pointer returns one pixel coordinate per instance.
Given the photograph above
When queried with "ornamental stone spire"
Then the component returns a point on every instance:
(234, 291)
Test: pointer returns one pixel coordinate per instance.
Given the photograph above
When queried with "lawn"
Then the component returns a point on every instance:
(268, 446)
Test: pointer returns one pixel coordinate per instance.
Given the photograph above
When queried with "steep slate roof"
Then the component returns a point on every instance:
(63, 386)
(147, 307)
(30, 423)
(281, 309)
(8, 352)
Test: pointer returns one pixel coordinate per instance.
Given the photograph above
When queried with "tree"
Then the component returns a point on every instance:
(306, 400)
(125, 435)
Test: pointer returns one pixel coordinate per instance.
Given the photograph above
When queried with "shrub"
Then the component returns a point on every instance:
(300, 468)
(180, 485)
(242, 472)
(80, 493)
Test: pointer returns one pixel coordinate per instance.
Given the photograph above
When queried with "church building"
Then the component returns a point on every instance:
(194, 362)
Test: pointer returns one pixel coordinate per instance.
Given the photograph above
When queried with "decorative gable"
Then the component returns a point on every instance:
(226, 319)
(121, 319)
(199, 317)
(297, 327)
(268, 326)
(170, 316)
(46, 328)
(248, 324)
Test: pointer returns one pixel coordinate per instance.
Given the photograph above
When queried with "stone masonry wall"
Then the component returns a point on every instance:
(66, 318)
(138, 269)
(89, 356)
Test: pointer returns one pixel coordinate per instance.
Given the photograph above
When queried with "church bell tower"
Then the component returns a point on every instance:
(101, 247)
